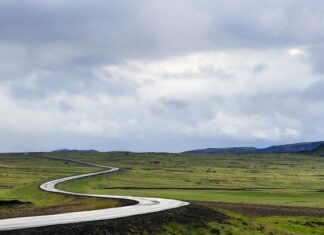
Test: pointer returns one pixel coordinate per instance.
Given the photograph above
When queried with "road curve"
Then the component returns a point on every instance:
(144, 205)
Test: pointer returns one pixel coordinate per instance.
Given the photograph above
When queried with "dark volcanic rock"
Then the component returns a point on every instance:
(12, 203)
(192, 215)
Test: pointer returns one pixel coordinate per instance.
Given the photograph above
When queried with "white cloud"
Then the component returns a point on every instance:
(296, 52)
(188, 96)
(179, 77)
(244, 126)
(111, 75)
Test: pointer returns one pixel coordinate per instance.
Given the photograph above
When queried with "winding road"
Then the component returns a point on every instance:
(144, 205)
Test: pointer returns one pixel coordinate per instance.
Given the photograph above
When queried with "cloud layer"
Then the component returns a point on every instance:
(160, 76)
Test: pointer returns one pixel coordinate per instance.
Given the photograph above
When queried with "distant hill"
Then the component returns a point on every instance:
(74, 151)
(317, 151)
(234, 150)
(292, 148)
(288, 148)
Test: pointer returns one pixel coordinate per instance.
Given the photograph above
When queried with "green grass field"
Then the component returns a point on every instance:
(20, 177)
(240, 225)
(289, 180)
(285, 180)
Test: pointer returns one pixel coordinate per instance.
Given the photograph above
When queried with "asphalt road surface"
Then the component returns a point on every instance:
(144, 205)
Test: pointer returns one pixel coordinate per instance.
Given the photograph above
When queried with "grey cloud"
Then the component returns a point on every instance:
(301, 107)
(259, 68)
(176, 104)
(212, 72)
(187, 111)
(142, 28)
(317, 58)
(314, 93)
(101, 32)
(55, 46)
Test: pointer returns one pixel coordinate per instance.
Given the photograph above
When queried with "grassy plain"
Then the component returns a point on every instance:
(288, 180)
(240, 225)
(20, 177)
(284, 180)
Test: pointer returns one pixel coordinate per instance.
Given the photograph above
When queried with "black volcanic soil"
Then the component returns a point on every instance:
(196, 215)
(12, 202)
(266, 210)
(193, 215)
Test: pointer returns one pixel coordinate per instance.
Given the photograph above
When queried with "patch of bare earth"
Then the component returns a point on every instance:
(266, 210)
(192, 215)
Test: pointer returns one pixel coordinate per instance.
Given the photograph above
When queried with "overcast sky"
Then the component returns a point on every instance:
(160, 75)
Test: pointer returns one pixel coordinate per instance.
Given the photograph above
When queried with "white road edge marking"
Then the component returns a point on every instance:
(144, 205)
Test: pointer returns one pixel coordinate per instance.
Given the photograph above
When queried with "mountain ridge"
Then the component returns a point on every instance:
(287, 148)
(319, 151)
(74, 151)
